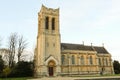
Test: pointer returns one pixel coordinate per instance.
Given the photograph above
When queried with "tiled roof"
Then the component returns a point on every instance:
(100, 50)
(68, 46)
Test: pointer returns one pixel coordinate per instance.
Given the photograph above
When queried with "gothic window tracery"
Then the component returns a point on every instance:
(106, 62)
(91, 60)
(73, 59)
(82, 60)
(63, 59)
(99, 61)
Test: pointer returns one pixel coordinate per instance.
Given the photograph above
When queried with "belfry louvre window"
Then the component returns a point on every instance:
(47, 22)
(53, 23)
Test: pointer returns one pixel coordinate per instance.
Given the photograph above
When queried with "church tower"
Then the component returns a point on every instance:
(48, 50)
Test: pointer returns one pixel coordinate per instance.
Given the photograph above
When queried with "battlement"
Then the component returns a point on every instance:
(49, 11)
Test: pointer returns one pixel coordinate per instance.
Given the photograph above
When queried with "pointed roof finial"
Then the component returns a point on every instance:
(103, 44)
(91, 44)
(83, 43)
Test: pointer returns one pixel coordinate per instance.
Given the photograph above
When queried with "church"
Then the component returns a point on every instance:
(53, 58)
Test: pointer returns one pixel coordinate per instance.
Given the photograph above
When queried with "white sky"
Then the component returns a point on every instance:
(91, 21)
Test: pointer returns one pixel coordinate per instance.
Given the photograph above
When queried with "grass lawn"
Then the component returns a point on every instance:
(25, 78)
(14, 78)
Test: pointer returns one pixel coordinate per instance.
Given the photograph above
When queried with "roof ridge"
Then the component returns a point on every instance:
(81, 44)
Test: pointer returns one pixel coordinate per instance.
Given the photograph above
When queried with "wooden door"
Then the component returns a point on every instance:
(51, 71)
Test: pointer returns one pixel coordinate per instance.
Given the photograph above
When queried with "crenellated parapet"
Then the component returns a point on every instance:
(49, 11)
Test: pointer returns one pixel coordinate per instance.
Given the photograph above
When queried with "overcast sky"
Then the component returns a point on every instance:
(91, 21)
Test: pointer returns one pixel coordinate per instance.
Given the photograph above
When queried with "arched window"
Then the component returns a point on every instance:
(63, 59)
(82, 60)
(99, 61)
(109, 61)
(46, 22)
(73, 59)
(91, 60)
(53, 23)
(106, 62)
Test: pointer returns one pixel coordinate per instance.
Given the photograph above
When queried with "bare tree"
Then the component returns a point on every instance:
(22, 44)
(12, 44)
(4, 52)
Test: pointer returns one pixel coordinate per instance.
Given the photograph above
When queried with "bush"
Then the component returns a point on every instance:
(1, 65)
(6, 72)
(22, 69)
(116, 66)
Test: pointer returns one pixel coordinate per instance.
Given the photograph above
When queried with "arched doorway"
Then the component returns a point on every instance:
(51, 68)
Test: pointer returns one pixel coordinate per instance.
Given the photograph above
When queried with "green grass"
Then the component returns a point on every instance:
(25, 78)
(14, 78)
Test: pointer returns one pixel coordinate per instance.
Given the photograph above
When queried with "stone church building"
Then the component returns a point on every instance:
(53, 58)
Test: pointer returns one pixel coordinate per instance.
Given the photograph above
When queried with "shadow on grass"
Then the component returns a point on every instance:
(25, 78)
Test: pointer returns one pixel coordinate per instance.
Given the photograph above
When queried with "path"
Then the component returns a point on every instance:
(75, 78)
